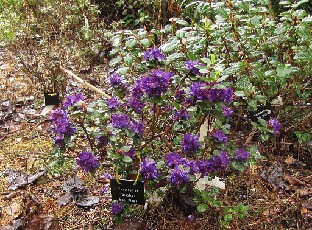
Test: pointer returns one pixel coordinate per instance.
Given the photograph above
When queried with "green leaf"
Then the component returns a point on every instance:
(145, 42)
(228, 217)
(202, 208)
(114, 61)
(131, 43)
(179, 21)
(126, 159)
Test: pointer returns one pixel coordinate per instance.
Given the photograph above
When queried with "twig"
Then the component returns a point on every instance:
(84, 82)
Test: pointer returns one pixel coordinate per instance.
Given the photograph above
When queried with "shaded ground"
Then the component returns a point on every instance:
(278, 191)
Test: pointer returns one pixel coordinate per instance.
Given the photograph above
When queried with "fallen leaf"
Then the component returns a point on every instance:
(73, 185)
(307, 205)
(293, 181)
(19, 178)
(17, 224)
(42, 223)
(14, 209)
(304, 192)
(65, 199)
(275, 177)
(87, 201)
(271, 212)
(303, 211)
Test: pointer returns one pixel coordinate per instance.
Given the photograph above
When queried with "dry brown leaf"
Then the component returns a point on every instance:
(304, 192)
(293, 181)
(271, 212)
(14, 209)
(307, 205)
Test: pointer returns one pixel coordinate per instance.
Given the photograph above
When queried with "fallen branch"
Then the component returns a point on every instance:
(85, 83)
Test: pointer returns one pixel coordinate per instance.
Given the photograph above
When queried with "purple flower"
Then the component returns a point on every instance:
(191, 65)
(136, 104)
(64, 127)
(87, 161)
(227, 111)
(104, 189)
(58, 114)
(153, 55)
(193, 166)
(275, 124)
(137, 90)
(221, 161)
(172, 159)
(241, 154)
(190, 143)
(181, 115)
(137, 127)
(148, 168)
(120, 121)
(131, 153)
(220, 136)
(205, 167)
(178, 176)
(226, 95)
(112, 103)
(117, 208)
(72, 100)
(107, 176)
(115, 80)
(198, 90)
(157, 83)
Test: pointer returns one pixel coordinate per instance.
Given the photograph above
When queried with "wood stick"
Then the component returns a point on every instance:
(86, 84)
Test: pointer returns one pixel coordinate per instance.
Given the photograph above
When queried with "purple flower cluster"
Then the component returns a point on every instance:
(190, 143)
(178, 176)
(227, 111)
(204, 91)
(87, 161)
(182, 114)
(149, 169)
(220, 136)
(183, 167)
(112, 103)
(115, 81)
(62, 127)
(72, 100)
(153, 55)
(135, 97)
(137, 127)
(117, 208)
(241, 154)
(131, 153)
(218, 162)
(120, 121)
(172, 159)
(156, 83)
(191, 65)
(275, 124)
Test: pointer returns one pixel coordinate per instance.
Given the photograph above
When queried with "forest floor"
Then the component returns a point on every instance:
(277, 190)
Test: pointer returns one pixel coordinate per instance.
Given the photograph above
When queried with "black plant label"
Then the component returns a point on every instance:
(127, 191)
(263, 111)
(51, 98)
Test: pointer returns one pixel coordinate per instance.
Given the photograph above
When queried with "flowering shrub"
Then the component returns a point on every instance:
(164, 96)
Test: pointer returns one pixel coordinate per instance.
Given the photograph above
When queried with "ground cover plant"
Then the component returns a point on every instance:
(202, 97)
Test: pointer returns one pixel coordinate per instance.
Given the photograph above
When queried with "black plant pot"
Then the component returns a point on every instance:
(51, 98)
